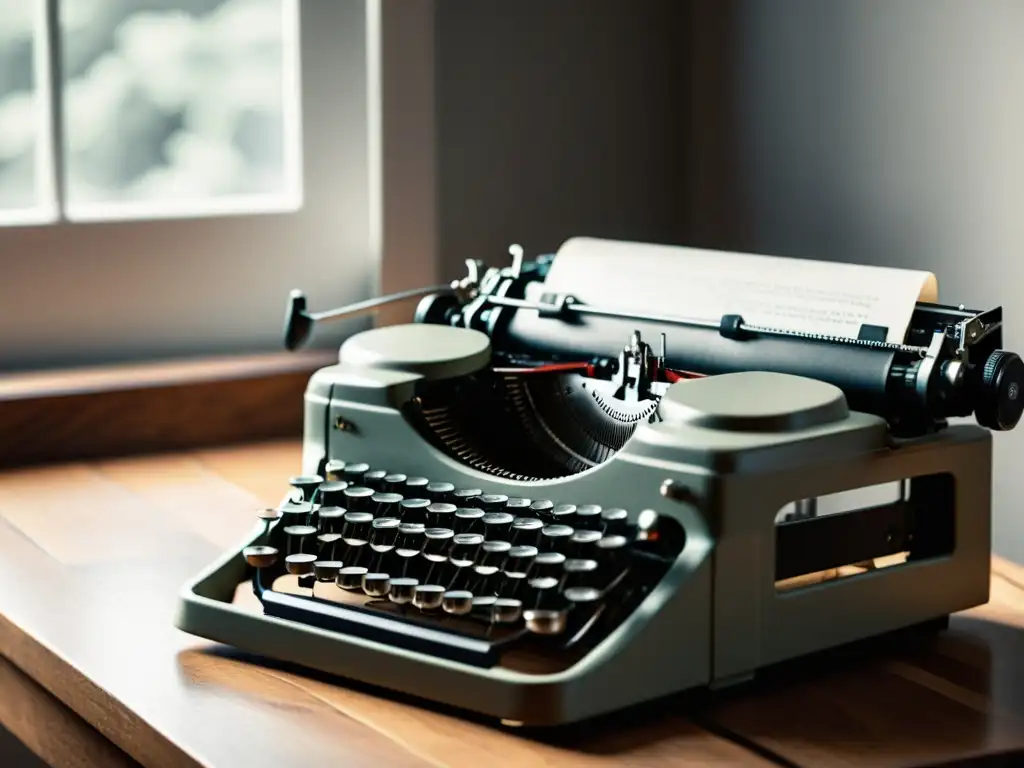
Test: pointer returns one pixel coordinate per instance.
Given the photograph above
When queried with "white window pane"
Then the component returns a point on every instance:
(179, 107)
(26, 181)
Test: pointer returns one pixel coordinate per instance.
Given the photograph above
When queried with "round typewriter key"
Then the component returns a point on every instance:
(519, 561)
(330, 519)
(542, 508)
(307, 484)
(612, 548)
(260, 557)
(295, 513)
(376, 584)
(469, 520)
(402, 590)
(410, 539)
(440, 492)
(357, 498)
(492, 557)
(357, 528)
(354, 472)
(507, 610)
(464, 549)
(493, 502)
(555, 538)
(350, 578)
(526, 530)
(375, 479)
(393, 482)
(588, 517)
(515, 506)
(416, 487)
(299, 564)
(457, 602)
(269, 515)
(437, 542)
(328, 544)
(583, 543)
(579, 572)
(413, 510)
(563, 513)
(484, 604)
(385, 534)
(615, 520)
(428, 597)
(441, 515)
(580, 595)
(332, 493)
(334, 469)
(548, 565)
(298, 535)
(386, 504)
(545, 622)
(326, 570)
(464, 495)
(497, 525)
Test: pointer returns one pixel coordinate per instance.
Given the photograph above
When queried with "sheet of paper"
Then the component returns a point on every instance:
(786, 293)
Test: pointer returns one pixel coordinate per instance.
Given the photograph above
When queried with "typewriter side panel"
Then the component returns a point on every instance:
(952, 472)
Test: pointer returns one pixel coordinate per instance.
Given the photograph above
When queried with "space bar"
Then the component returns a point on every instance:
(381, 629)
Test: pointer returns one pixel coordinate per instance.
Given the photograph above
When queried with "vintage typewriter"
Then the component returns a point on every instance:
(575, 483)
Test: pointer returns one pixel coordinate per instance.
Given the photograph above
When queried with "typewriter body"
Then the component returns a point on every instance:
(542, 504)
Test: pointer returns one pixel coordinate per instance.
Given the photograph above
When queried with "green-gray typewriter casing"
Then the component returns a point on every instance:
(737, 449)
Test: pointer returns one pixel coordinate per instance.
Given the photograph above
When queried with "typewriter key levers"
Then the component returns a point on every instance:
(541, 505)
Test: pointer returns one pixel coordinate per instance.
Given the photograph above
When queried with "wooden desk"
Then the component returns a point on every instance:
(92, 556)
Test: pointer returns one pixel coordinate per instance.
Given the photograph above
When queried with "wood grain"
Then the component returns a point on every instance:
(93, 625)
(122, 410)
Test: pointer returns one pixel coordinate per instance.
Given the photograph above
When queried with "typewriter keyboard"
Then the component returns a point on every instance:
(476, 577)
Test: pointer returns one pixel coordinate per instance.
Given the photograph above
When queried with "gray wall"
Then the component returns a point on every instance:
(891, 132)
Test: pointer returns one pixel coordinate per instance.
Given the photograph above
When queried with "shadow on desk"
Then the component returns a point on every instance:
(915, 697)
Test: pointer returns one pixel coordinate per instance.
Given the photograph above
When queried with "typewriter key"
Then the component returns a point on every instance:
(437, 543)
(564, 513)
(357, 498)
(384, 534)
(307, 484)
(464, 549)
(334, 470)
(300, 564)
(555, 538)
(357, 528)
(295, 513)
(526, 530)
(492, 502)
(492, 557)
(259, 556)
(428, 597)
(616, 521)
(441, 515)
(393, 483)
(588, 517)
(332, 493)
(353, 473)
(440, 492)
(298, 536)
(520, 560)
(548, 565)
(416, 487)
(330, 519)
(545, 622)
(386, 504)
(579, 573)
(507, 610)
(515, 506)
(582, 595)
(413, 510)
(375, 479)
(328, 544)
(542, 508)
(350, 578)
(402, 590)
(463, 496)
(497, 525)
(410, 539)
(483, 605)
(583, 543)
(613, 549)
(326, 570)
(376, 584)
(468, 520)
(457, 602)
(269, 515)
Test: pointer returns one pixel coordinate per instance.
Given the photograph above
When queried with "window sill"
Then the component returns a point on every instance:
(89, 413)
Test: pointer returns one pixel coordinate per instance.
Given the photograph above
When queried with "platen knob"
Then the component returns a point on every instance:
(1001, 400)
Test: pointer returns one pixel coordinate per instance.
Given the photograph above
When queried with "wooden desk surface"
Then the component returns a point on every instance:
(92, 557)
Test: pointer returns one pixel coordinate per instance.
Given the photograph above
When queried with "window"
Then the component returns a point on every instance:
(169, 169)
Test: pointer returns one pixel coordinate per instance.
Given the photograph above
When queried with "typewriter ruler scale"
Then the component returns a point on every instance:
(553, 495)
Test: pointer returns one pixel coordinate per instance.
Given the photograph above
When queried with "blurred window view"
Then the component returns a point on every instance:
(168, 107)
